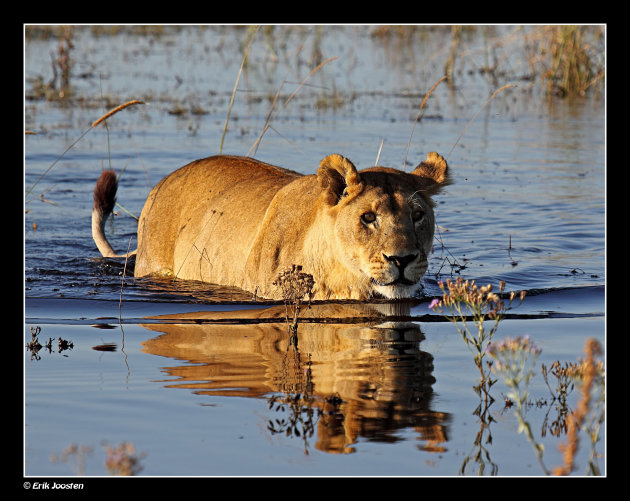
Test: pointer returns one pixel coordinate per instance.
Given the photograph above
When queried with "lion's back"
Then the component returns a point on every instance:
(203, 211)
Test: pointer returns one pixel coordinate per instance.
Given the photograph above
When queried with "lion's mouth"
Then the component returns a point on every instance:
(398, 281)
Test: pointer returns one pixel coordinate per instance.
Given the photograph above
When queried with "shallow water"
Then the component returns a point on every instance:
(193, 391)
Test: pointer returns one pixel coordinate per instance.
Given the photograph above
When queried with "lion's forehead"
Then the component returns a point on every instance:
(392, 198)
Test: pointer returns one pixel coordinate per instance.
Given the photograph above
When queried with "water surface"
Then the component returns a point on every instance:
(192, 374)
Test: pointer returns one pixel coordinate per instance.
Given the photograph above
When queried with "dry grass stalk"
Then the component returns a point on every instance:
(116, 110)
(122, 284)
(104, 117)
(238, 77)
(378, 155)
(456, 31)
(494, 94)
(194, 244)
(286, 102)
(424, 101)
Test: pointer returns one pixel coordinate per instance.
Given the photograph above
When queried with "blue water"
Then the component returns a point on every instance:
(192, 391)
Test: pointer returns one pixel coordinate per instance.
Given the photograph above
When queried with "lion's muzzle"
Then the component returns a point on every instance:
(401, 263)
(399, 274)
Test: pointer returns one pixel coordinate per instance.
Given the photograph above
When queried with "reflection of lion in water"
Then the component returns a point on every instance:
(236, 221)
(369, 378)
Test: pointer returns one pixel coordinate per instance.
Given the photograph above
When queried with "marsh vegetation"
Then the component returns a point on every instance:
(514, 361)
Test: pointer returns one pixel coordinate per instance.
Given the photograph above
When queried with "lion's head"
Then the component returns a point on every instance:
(382, 223)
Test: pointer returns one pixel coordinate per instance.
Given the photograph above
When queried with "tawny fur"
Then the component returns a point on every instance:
(236, 221)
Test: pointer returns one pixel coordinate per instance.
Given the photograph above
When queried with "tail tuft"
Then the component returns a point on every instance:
(105, 192)
(104, 201)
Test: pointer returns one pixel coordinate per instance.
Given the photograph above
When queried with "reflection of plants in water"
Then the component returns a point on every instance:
(515, 360)
(567, 375)
(295, 286)
(480, 454)
(74, 453)
(564, 374)
(589, 413)
(300, 419)
(121, 460)
(34, 346)
(297, 399)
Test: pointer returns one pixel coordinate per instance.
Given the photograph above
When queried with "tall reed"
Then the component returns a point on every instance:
(570, 65)
(238, 76)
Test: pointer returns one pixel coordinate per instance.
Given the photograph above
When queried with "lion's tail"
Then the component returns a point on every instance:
(104, 201)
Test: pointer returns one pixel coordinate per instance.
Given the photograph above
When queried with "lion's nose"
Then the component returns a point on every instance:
(401, 261)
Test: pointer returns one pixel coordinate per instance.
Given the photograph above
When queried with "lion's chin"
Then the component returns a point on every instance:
(396, 290)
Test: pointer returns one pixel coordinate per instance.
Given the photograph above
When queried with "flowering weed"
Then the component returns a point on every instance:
(464, 302)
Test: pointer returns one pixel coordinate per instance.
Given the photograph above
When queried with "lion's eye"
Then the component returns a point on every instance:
(368, 217)
(417, 215)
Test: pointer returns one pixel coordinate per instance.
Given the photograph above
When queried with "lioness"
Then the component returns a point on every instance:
(236, 221)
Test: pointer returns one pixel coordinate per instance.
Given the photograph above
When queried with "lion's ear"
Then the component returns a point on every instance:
(434, 173)
(336, 175)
